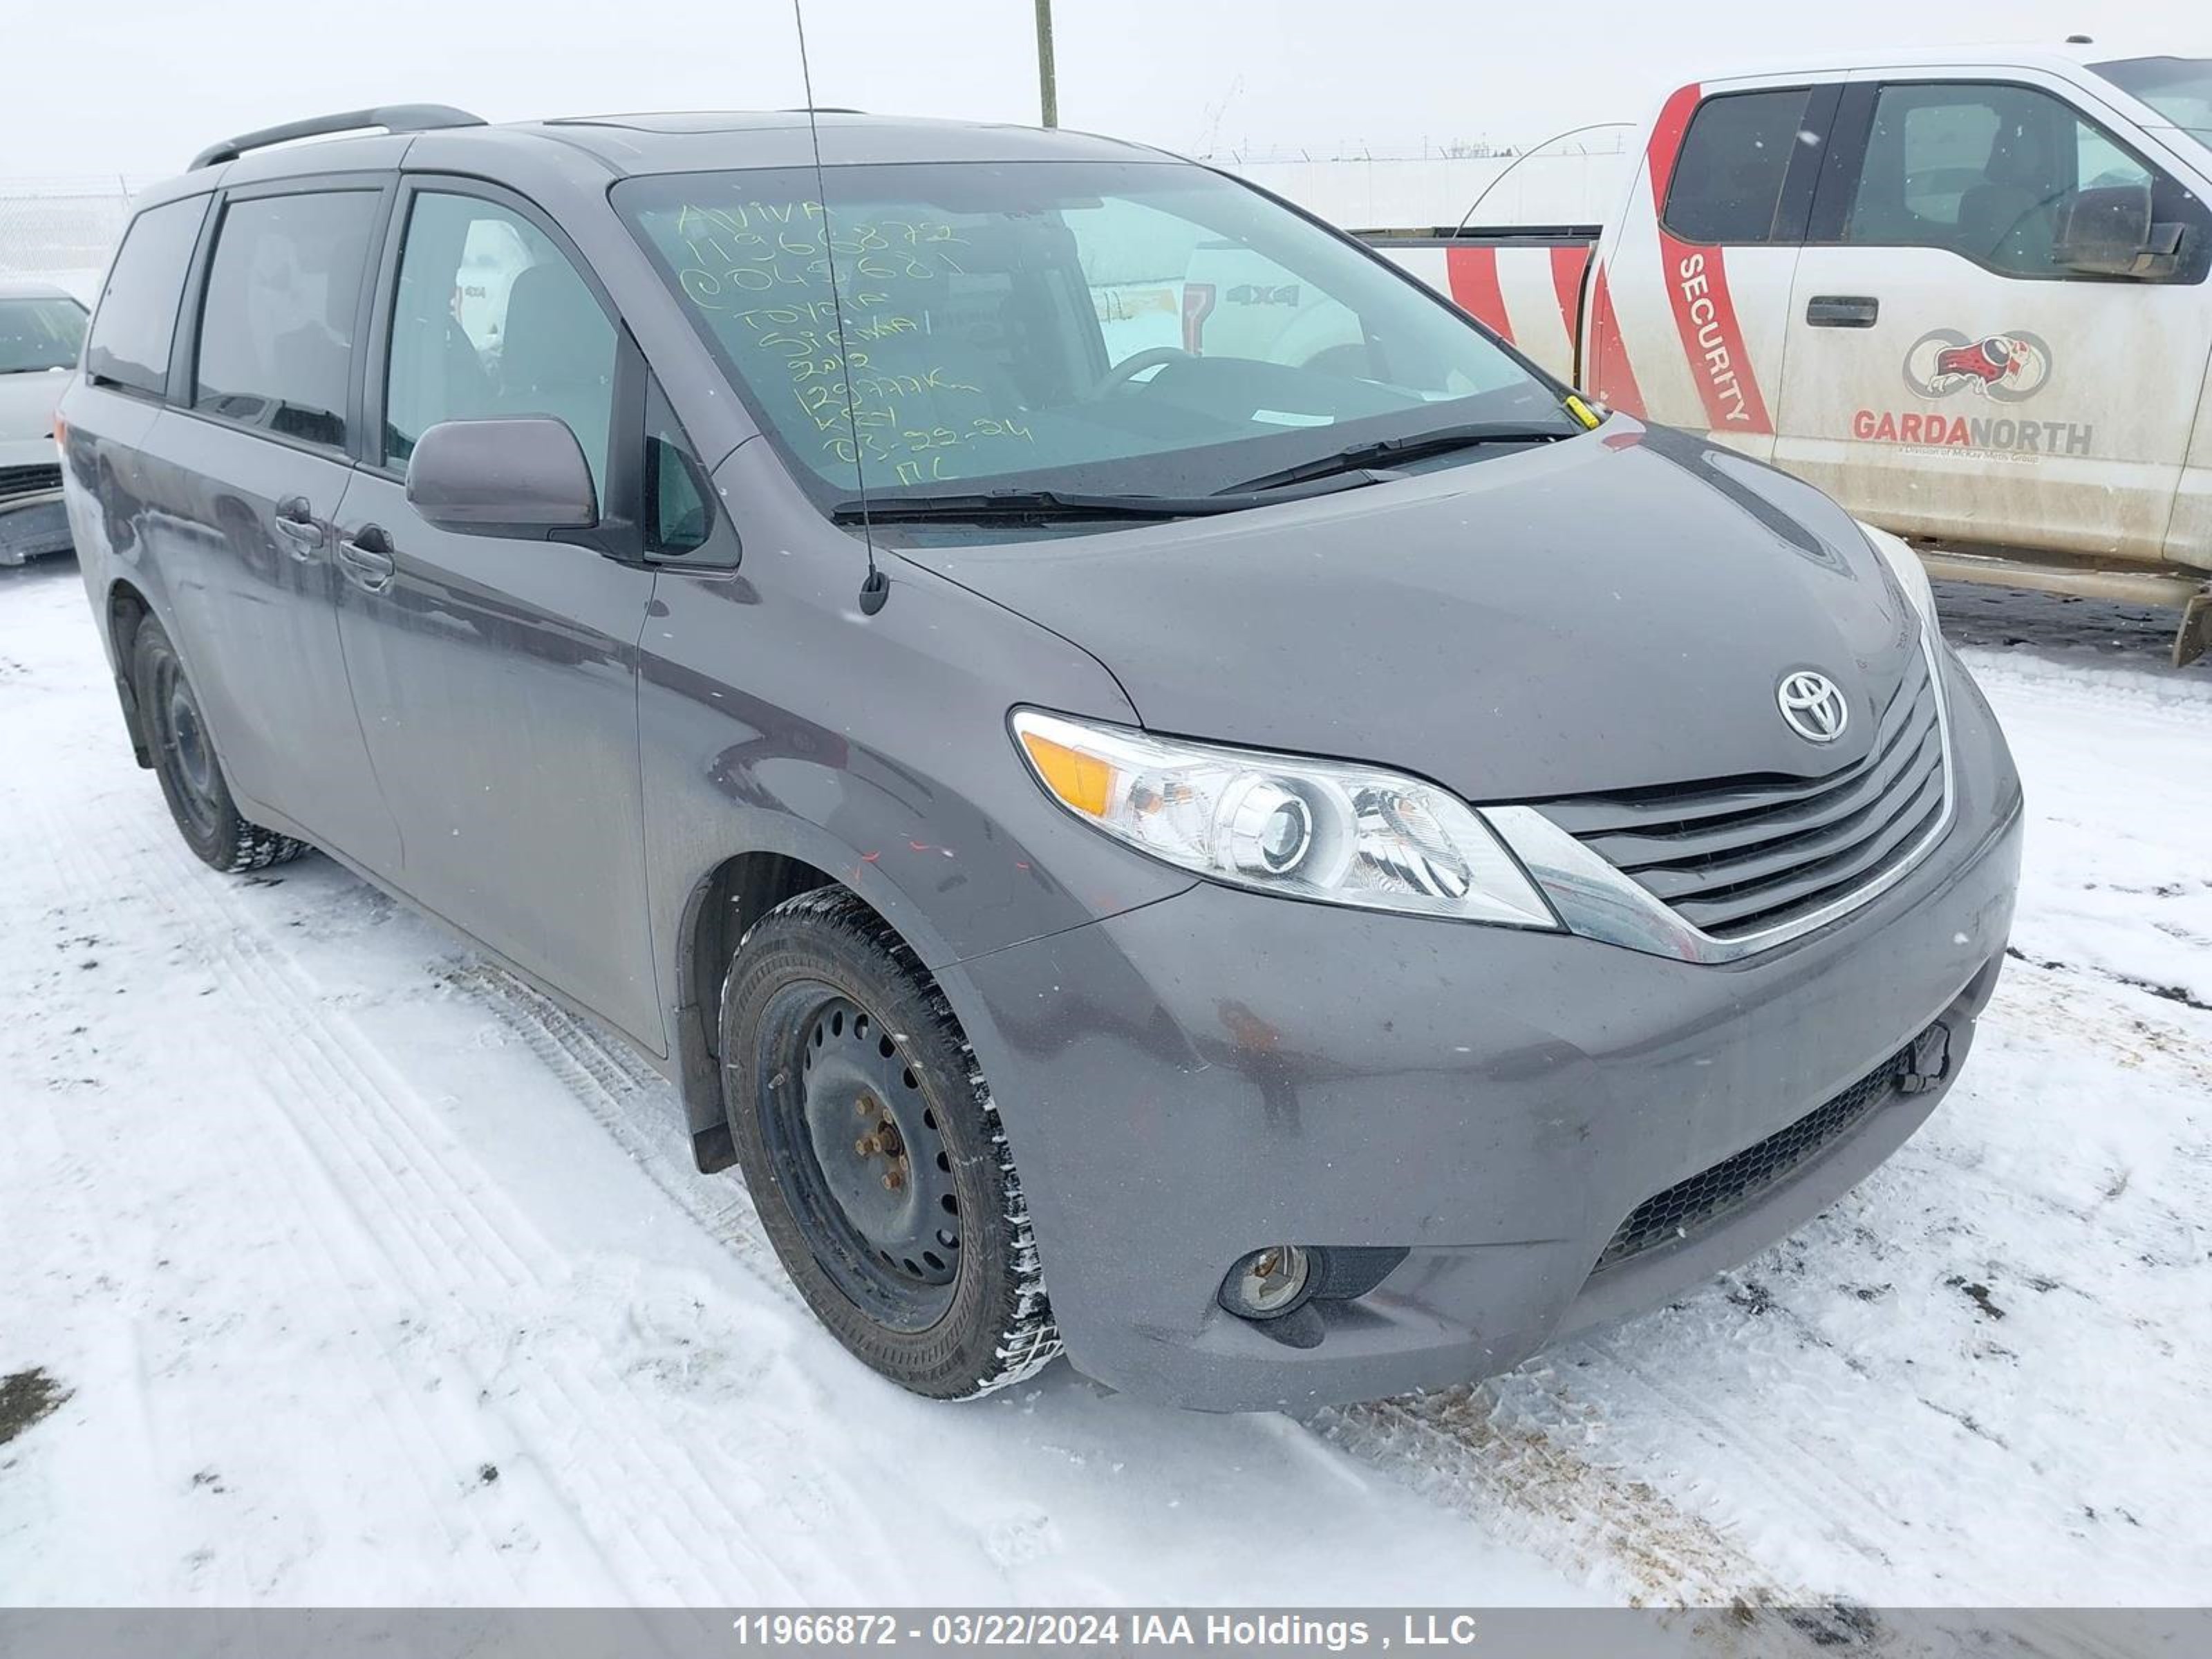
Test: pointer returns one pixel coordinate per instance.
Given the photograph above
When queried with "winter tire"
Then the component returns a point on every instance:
(873, 1149)
(191, 772)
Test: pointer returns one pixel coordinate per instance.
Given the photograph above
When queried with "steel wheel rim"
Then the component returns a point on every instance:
(859, 1156)
(183, 738)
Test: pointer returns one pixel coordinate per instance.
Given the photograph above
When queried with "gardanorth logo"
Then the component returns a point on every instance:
(2007, 367)
(1813, 705)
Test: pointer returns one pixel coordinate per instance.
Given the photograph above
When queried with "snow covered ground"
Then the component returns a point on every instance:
(370, 1278)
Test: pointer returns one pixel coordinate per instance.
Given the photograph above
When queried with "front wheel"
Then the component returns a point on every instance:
(873, 1149)
(185, 761)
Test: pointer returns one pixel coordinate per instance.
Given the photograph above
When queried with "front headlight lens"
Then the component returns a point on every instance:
(1277, 823)
(1904, 564)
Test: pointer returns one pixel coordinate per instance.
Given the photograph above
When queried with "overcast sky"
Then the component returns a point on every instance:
(136, 85)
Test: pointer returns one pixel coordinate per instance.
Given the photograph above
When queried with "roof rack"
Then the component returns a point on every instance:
(392, 117)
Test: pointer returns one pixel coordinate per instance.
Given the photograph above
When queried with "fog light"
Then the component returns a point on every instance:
(1269, 1284)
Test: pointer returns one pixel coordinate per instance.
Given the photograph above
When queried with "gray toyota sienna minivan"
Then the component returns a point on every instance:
(1232, 825)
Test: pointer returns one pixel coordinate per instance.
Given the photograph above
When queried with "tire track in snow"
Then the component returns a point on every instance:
(2138, 1028)
(1464, 1448)
(390, 1393)
(400, 1173)
(585, 1390)
(636, 1106)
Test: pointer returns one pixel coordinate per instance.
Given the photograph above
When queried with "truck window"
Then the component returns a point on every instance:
(2099, 163)
(1156, 280)
(1728, 180)
(277, 327)
(1988, 171)
(2178, 88)
(129, 345)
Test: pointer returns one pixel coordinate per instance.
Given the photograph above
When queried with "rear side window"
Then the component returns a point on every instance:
(138, 319)
(277, 328)
(1727, 181)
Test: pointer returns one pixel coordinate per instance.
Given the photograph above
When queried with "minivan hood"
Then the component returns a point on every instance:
(1611, 612)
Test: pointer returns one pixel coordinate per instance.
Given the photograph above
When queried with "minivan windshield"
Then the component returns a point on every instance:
(40, 334)
(1098, 329)
(2178, 88)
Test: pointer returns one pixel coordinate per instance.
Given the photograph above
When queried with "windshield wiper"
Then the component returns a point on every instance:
(1360, 457)
(1037, 506)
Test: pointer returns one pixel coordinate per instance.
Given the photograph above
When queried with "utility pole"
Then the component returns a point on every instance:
(1048, 91)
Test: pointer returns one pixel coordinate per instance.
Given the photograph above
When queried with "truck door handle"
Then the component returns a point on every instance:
(367, 556)
(297, 523)
(1842, 311)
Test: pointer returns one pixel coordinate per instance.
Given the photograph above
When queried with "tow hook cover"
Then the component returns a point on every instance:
(1927, 1061)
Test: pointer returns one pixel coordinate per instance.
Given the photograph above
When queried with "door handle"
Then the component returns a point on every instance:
(367, 556)
(1842, 311)
(297, 523)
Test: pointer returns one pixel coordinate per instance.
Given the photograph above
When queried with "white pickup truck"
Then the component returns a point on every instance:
(1964, 292)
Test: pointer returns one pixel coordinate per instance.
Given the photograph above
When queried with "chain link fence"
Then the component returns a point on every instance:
(61, 230)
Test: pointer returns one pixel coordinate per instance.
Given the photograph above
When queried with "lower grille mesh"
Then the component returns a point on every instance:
(1689, 1207)
(28, 480)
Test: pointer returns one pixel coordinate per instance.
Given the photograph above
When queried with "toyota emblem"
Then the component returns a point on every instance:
(1813, 705)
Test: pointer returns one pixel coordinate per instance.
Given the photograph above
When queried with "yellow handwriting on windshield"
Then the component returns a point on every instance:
(914, 378)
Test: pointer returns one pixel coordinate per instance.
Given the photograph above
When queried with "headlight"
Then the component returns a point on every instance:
(1904, 564)
(1306, 829)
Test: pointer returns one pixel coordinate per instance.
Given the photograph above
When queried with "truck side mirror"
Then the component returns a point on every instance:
(2107, 231)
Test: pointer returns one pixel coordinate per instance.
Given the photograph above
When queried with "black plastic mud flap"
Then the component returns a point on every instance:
(132, 723)
(712, 1151)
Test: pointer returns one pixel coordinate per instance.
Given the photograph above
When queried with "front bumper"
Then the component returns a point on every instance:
(1221, 1071)
(32, 524)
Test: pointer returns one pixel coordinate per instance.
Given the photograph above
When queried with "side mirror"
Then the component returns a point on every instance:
(2107, 231)
(522, 476)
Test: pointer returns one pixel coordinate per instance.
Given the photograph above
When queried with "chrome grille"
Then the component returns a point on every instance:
(1741, 857)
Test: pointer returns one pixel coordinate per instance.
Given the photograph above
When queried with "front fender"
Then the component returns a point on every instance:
(775, 717)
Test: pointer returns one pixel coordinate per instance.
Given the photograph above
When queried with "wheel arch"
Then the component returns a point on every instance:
(720, 906)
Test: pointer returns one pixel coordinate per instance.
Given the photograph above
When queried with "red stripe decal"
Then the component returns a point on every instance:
(1697, 289)
(1568, 265)
(1473, 274)
(1712, 340)
(1611, 381)
(1666, 141)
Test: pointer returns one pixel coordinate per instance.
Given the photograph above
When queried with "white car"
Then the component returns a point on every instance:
(41, 332)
